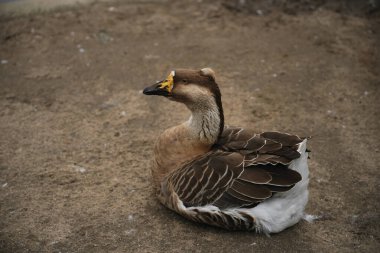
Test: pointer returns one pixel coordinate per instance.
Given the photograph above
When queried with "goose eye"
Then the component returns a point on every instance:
(184, 80)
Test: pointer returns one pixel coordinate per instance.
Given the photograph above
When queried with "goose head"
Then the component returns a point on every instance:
(194, 88)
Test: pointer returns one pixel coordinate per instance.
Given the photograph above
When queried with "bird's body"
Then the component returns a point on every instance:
(224, 176)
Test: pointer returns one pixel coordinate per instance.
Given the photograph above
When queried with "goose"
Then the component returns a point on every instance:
(229, 177)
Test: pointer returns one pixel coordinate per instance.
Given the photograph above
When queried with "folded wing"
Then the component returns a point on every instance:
(243, 170)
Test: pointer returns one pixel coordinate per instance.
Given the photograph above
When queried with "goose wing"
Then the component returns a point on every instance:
(243, 170)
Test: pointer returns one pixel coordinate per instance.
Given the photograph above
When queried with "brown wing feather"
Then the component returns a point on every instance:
(270, 146)
(284, 139)
(275, 188)
(241, 196)
(244, 169)
(282, 176)
(251, 190)
(255, 175)
(233, 139)
(227, 201)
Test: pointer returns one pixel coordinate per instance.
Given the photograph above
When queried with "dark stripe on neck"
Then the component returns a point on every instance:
(218, 100)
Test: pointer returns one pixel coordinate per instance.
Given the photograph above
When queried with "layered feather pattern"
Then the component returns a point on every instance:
(242, 170)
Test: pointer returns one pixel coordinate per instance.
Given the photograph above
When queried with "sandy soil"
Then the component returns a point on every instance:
(77, 134)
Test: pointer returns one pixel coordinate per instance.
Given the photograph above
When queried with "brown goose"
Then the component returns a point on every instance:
(226, 176)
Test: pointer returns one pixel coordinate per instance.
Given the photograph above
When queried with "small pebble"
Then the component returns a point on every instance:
(78, 168)
(4, 61)
(259, 12)
(151, 57)
(130, 231)
(311, 218)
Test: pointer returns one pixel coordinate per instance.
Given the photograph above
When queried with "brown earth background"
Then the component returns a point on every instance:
(76, 134)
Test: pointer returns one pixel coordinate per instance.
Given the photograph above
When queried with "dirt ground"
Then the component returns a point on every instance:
(77, 134)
